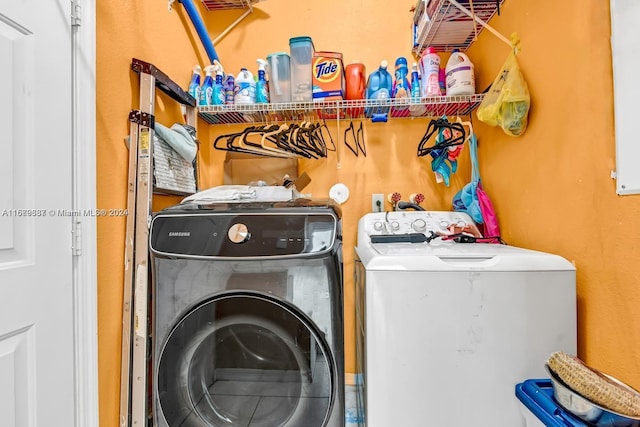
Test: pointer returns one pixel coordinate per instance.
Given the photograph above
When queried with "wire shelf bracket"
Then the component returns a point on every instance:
(449, 24)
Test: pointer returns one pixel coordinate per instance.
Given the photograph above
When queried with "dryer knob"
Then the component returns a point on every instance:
(238, 233)
(377, 226)
(419, 225)
(395, 225)
(444, 225)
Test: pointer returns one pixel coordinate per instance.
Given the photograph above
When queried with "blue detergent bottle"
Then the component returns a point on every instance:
(380, 83)
(415, 83)
(416, 108)
(229, 89)
(401, 86)
(379, 87)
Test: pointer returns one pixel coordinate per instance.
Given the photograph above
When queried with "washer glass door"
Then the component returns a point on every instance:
(245, 359)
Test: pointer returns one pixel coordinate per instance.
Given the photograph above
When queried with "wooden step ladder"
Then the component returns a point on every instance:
(135, 395)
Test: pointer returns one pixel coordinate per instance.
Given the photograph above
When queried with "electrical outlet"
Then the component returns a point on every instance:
(377, 202)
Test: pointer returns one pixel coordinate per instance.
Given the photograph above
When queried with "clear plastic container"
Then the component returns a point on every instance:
(301, 49)
(279, 77)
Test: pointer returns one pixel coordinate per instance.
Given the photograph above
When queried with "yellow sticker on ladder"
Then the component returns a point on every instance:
(144, 140)
(140, 319)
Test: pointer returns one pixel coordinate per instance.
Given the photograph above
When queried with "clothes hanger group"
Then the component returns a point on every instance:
(304, 140)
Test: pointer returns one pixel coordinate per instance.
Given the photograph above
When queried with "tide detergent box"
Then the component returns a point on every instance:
(328, 76)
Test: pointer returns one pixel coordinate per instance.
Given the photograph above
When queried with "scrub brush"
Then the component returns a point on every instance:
(593, 385)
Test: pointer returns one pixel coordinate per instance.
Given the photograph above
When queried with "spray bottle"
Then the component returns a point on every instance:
(194, 85)
(262, 94)
(207, 87)
(218, 94)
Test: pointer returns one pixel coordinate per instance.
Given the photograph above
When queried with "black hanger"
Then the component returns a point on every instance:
(454, 134)
(324, 125)
(360, 138)
(355, 140)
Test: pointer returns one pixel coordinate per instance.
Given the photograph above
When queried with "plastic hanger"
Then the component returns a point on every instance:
(267, 136)
(353, 135)
(450, 134)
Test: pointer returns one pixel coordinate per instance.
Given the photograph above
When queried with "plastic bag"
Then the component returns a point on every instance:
(474, 201)
(490, 224)
(507, 102)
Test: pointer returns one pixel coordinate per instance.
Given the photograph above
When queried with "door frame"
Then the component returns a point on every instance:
(85, 284)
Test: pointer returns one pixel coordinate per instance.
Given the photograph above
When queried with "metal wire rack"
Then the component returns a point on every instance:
(440, 24)
(227, 4)
(436, 106)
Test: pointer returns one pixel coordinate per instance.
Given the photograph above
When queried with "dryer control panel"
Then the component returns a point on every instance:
(410, 225)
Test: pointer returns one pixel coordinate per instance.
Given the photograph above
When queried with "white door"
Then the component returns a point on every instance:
(36, 292)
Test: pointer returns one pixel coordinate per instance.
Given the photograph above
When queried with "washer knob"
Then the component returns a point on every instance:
(419, 225)
(444, 225)
(395, 225)
(239, 233)
(377, 226)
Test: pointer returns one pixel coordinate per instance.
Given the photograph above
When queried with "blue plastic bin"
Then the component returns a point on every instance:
(537, 396)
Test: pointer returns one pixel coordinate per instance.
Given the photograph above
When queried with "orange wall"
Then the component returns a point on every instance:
(551, 187)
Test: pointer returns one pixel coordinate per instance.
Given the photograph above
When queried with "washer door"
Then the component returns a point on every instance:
(248, 360)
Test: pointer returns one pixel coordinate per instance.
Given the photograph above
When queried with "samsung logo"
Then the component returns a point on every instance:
(179, 233)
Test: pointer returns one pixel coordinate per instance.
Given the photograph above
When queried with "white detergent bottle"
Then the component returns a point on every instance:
(245, 88)
(460, 79)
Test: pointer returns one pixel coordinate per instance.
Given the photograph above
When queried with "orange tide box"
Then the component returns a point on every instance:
(328, 76)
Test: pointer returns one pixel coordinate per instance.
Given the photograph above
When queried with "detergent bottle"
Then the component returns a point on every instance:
(415, 83)
(245, 87)
(218, 94)
(262, 93)
(401, 86)
(207, 87)
(380, 83)
(379, 87)
(430, 67)
(416, 108)
(460, 79)
(229, 89)
(194, 85)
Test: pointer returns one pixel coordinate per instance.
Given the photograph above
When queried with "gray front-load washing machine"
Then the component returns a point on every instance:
(247, 315)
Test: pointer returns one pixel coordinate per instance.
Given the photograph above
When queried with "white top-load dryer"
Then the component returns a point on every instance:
(446, 330)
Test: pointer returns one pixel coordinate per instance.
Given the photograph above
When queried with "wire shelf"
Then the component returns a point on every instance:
(436, 106)
(439, 24)
(228, 4)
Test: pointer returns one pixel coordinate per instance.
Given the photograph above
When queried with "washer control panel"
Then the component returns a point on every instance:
(412, 222)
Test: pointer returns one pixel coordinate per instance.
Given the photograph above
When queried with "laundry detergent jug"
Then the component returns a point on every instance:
(379, 87)
(380, 83)
(460, 79)
(245, 88)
